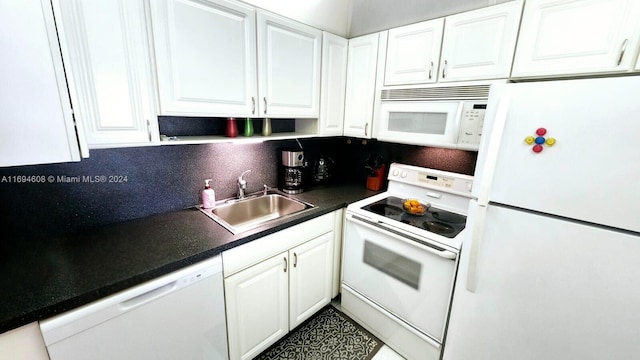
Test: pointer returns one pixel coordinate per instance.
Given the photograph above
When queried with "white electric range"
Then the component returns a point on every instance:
(399, 269)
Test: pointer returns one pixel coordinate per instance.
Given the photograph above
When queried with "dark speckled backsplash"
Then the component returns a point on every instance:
(167, 178)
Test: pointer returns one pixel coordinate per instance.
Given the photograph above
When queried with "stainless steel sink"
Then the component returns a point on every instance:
(238, 215)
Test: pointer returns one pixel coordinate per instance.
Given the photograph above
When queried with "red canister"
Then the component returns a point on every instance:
(232, 127)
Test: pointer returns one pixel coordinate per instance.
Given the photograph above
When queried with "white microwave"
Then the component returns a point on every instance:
(440, 116)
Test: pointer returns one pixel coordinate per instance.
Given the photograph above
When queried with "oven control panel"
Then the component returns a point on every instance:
(430, 178)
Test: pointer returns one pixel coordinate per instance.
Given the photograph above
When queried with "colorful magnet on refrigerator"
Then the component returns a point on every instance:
(539, 141)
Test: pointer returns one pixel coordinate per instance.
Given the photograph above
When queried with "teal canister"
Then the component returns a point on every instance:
(266, 127)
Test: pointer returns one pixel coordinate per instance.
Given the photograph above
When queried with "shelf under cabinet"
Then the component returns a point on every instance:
(210, 139)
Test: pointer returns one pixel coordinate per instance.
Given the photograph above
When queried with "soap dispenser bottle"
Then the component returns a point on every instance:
(208, 196)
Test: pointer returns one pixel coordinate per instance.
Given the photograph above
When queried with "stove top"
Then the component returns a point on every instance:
(438, 221)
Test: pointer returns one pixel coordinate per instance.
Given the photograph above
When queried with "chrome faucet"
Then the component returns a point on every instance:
(242, 184)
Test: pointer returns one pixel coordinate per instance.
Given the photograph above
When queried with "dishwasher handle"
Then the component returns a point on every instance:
(146, 297)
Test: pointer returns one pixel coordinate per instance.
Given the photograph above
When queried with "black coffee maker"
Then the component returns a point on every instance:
(291, 170)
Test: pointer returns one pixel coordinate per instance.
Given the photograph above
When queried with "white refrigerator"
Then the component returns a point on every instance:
(550, 266)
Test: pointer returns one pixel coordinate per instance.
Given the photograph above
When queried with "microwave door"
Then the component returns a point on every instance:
(420, 122)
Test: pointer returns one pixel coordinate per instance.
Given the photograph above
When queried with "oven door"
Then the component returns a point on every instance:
(409, 279)
(433, 123)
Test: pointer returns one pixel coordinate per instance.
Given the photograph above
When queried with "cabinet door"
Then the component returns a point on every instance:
(573, 37)
(108, 63)
(413, 52)
(310, 280)
(288, 66)
(37, 122)
(361, 83)
(205, 54)
(257, 300)
(480, 44)
(334, 80)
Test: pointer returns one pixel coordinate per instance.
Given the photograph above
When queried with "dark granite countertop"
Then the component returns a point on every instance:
(44, 279)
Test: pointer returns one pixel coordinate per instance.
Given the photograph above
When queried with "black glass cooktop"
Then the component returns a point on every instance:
(437, 221)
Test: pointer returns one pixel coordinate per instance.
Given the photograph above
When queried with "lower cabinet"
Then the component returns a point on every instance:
(271, 297)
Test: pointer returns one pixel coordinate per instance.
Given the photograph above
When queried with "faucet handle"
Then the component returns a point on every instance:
(241, 179)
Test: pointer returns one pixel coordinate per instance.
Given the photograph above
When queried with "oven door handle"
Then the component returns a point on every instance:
(380, 226)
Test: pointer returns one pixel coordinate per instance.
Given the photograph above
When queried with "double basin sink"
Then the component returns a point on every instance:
(239, 215)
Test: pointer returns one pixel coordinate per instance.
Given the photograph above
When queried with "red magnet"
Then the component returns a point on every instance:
(541, 131)
(537, 148)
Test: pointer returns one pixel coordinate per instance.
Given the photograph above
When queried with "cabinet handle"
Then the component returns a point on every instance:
(253, 105)
(430, 69)
(265, 104)
(366, 127)
(623, 48)
(444, 69)
(295, 260)
(149, 129)
(285, 264)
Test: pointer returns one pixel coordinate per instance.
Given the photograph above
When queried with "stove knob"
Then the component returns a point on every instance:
(395, 172)
(403, 175)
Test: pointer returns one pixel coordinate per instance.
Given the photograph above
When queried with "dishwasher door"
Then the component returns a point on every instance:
(178, 316)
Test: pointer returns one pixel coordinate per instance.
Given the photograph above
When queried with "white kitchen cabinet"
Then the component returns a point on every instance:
(288, 67)
(333, 84)
(206, 57)
(573, 37)
(37, 124)
(23, 343)
(277, 282)
(257, 302)
(272, 297)
(361, 83)
(479, 44)
(105, 46)
(310, 278)
(413, 53)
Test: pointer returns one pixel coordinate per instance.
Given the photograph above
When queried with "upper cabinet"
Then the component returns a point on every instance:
(37, 124)
(105, 45)
(413, 53)
(572, 37)
(480, 44)
(333, 84)
(206, 57)
(473, 45)
(223, 58)
(288, 67)
(362, 63)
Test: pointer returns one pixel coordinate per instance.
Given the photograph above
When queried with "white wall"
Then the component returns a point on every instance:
(329, 15)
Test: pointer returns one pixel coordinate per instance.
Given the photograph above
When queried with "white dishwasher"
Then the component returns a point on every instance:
(177, 316)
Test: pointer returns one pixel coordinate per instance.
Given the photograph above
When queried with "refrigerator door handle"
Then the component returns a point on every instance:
(491, 157)
(476, 241)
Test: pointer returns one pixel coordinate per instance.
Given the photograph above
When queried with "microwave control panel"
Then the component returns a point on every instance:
(471, 124)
